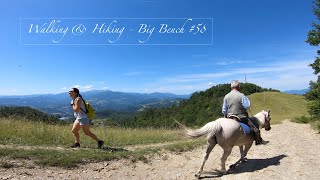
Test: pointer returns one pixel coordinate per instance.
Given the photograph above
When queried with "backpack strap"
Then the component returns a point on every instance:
(84, 102)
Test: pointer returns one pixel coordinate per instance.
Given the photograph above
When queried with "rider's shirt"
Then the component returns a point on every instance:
(235, 103)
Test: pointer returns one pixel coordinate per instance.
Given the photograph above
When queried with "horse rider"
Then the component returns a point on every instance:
(235, 105)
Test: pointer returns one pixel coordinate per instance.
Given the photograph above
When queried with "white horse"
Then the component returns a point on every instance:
(228, 133)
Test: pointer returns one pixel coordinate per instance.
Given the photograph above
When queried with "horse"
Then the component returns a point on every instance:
(228, 133)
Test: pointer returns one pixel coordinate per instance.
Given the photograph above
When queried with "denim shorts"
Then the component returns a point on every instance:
(83, 121)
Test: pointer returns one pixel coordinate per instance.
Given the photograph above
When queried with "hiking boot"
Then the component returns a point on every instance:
(100, 144)
(75, 145)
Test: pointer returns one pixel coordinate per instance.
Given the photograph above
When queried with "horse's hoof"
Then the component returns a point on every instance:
(197, 175)
(232, 166)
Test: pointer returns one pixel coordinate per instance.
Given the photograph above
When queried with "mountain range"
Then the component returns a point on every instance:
(297, 92)
(100, 99)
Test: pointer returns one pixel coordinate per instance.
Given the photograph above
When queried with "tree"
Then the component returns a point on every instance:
(314, 40)
(200, 108)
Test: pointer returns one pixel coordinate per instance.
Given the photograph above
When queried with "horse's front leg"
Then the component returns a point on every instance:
(211, 144)
(243, 154)
(246, 149)
(226, 153)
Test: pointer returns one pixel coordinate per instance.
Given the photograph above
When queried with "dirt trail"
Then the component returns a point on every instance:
(292, 153)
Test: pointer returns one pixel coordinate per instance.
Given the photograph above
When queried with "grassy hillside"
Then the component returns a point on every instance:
(200, 108)
(47, 144)
(282, 106)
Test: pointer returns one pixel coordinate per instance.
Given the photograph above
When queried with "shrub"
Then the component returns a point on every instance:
(302, 119)
(316, 125)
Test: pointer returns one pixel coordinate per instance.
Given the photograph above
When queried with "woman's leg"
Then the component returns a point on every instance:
(86, 130)
(75, 131)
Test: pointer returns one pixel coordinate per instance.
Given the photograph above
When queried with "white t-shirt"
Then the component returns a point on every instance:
(81, 114)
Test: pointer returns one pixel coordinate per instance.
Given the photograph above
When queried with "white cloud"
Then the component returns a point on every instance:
(283, 75)
(104, 88)
(89, 87)
(196, 77)
(285, 81)
(84, 88)
(200, 56)
(135, 73)
(224, 63)
(276, 68)
(181, 88)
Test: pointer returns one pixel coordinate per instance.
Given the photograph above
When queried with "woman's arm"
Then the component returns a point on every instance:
(77, 104)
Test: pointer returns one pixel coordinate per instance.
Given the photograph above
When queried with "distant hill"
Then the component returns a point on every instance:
(28, 114)
(282, 105)
(199, 109)
(297, 92)
(101, 100)
(205, 106)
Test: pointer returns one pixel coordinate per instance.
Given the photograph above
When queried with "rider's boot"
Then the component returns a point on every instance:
(256, 132)
(256, 136)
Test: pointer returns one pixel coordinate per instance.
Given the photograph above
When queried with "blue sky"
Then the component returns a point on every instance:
(262, 40)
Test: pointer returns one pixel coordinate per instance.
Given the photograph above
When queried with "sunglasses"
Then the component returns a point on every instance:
(71, 91)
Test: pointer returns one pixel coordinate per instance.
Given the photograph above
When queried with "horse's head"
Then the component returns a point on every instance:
(267, 119)
(264, 118)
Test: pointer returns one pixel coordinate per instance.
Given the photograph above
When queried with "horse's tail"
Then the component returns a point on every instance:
(210, 129)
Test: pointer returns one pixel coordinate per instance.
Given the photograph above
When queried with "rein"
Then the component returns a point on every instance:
(255, 119)
(259, 122)
(266, 119)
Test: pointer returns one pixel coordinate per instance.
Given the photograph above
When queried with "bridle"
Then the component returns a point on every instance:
(267, 119)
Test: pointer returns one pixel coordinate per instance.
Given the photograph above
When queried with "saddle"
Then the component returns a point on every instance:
(249, 127)
(234, 117)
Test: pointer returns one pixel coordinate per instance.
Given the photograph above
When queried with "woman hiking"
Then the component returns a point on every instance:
(81, 121)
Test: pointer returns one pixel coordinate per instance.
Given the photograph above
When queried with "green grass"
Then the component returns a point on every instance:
(302, 120)
(47, 144)
(316, 125)
(283, 106)
(61, 158)
(34, 134)
(185, 146)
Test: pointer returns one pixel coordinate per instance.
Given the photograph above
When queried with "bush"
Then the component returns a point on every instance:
(302, 119)
(316, 125)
